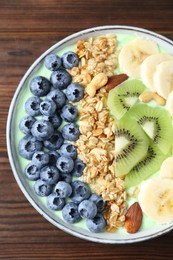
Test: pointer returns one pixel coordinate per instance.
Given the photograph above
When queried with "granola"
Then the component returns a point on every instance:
(97, 140)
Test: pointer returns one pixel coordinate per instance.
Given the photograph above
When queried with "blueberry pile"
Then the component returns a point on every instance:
(49, 128)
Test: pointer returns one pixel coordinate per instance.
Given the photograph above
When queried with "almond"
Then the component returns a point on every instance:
(115, 80)
(133, 218)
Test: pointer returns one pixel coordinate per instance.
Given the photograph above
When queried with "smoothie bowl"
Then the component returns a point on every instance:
(90, 135)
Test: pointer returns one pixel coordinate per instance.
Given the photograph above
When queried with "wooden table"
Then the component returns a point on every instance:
(27, 29)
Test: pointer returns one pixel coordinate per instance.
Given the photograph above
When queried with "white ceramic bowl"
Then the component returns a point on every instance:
(112, 238)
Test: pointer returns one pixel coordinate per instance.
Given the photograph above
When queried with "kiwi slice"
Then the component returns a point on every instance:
(131, 145)
(124, 96)
(146, 167)
(157, 124)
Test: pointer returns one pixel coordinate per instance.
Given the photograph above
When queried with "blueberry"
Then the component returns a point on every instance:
(55, 142)
(53, 156)
(55, 119)
(79, 167)
(67, 177)
(47, 107)
(97, 224)
(42, 130)
(28, 145)
(74, 92)
(32, 106)
(32, 171)
(49, 174)
(70, 213)
(26, 123)
(70, 59)
(100, 203)
(68, 149)
(54, 202)
(58, 97)
(87, 209)
(40, 159)
(60, 79)
(40, 86)
(80, 191)
(70, 132)
(69, 113)
(63, 189)
(65, 164)
(42, 188)
(52, 62)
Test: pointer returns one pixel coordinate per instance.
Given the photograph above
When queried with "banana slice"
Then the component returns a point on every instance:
(169, 103)
(163, 78)
(166, 169)
(156, 199)
(148, 67)
(133, 54)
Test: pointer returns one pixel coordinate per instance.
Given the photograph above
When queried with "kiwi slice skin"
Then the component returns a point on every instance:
(131, 145)
(124, 96)
(145, 168)
(157, 124)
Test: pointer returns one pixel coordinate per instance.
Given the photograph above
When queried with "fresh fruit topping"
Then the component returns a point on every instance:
(49, 174)
(155, 199)
(69, 113)
(70, 213)
(55, 119)
(149, 66)
(133, 54)
(131, 145)
(87, 209)
(81, 191)
(115, 80)
(60, 79)
(32, 106)
(42, 188)
(53, 156)
(74, 92)
(58, 97)
(79, 167)
(54, 142)
(169, 103)
(154, 121)
(40, 159)
(163, 78)
(97, 224)
(28, 145)
(26, 123)
(96, 83)
(32, 171)
(133, 218)
(65, 164)
(100, 203)
(40, 86)
(166, 169)
(54, 202)
(146, 167)
(70, 59)
(124, 96)
(70, 132)
(149, 96)
(47, 107)
(67, 149)
(42, 130)
(52, 62)
(63, 189)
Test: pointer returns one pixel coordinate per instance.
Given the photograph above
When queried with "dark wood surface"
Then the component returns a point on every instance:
(28, 28)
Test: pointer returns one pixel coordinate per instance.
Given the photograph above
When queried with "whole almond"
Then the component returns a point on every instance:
(115, 80)
(133, 218)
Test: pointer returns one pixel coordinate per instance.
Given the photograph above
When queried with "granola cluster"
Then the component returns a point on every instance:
(96, 144)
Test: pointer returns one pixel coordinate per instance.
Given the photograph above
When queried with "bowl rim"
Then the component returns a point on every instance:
(9, 142)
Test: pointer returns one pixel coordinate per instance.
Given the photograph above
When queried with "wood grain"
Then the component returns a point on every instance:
(27, 29)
